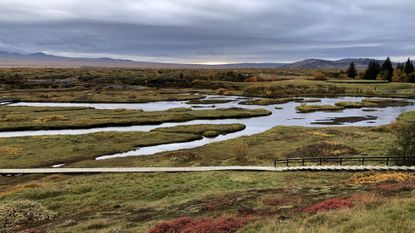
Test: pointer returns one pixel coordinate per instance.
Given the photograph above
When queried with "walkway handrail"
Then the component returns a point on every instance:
(342, 159)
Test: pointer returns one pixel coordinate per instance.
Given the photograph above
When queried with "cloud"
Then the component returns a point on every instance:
(203, 31)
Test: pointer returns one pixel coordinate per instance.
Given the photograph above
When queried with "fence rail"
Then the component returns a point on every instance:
(353, 160)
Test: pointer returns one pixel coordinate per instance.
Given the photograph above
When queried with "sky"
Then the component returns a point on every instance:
(210, 31)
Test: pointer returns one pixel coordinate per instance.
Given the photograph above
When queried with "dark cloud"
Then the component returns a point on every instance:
(210, 31)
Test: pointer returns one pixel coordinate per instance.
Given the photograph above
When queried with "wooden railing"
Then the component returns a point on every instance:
(342, 161)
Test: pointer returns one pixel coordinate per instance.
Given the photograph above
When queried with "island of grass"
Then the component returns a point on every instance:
(208, 101)
(142, 95)
(14, 118)
(309, 101)
(314, 108)
(206, 130)
(374, 103)
(270, 101)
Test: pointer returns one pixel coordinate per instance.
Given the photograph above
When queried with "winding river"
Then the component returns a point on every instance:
(282, 114)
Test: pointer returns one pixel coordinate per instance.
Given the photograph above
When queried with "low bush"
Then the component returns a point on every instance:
(240, 152)
(377, 178)
(19, 213)
(330, 205)
(323, 149)
(200, 225)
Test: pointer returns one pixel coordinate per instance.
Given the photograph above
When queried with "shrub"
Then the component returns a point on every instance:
(19, 213)
(377, 178)
(200, 225)
(404, 145)
(240, 152)
(323, 149)
(329, 205)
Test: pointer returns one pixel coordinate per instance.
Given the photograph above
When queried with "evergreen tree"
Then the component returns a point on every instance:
(400, 66)
(372, 70)
(351, 71)
(409, 67)
(387, 69)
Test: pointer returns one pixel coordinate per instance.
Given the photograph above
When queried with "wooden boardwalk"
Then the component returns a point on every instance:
(199, 169)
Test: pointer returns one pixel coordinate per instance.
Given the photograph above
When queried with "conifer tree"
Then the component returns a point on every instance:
(387, 69)
(351, 71)
(409, 67)
(372, 70)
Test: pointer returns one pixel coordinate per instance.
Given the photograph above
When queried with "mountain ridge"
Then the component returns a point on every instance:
(40, 59)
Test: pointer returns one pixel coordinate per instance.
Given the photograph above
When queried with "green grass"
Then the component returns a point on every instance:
(314, 108)
(373, 103)
(349, 104)
(35, 118)
(208, 101)
(268, 101)
(360, 81)
(303, 87)
(19, 152)
(279, 142)
(41, 151)
(389, 215)
(135, 202)
(98, 96)
(203, 129)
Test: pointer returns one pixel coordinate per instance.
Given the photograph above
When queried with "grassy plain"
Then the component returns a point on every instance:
(271, 202)
(274, 202)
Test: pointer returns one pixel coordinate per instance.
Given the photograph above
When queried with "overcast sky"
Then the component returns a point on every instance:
(210, 31)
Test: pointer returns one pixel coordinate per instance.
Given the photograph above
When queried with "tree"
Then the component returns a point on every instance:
(372, 71)
(409, 67)
(351, 71)
(404, 145)
(400, 66)
(387, 69)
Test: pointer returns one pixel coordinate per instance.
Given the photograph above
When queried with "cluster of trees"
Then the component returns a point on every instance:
(402, 72)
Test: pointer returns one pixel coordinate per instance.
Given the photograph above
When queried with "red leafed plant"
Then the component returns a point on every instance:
(200, 225)
(329, 205)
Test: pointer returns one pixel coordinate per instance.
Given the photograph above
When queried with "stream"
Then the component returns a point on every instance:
(282, 114)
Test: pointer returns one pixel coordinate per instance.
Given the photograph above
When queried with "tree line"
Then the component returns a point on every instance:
(402, 72)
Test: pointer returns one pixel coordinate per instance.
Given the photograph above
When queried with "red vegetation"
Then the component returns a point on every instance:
(200, 225)
(396, 187)
(329, 205)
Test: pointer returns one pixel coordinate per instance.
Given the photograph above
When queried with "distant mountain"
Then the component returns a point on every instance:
(322, 64)
(44, 60)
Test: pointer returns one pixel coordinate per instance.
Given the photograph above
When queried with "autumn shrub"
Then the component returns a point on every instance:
(404, 146)
(376, 178)
(200, 225)
(19, 213)
(329, 205)
(240, 152)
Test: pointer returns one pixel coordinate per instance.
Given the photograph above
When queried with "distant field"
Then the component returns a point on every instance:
(356, 81)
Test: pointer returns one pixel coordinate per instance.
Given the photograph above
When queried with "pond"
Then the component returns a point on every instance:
(282, 114)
